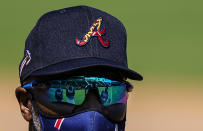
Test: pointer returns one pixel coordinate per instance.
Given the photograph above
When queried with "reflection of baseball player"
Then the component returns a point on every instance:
(59, 94)
(104, 95)
(70, 92)
(68, 44)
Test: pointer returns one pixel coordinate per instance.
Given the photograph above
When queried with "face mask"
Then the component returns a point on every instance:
(86, 121)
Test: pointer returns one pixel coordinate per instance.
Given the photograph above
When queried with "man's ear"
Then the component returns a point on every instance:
(24, 101)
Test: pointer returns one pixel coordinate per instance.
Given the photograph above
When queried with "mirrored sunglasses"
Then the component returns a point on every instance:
(74, 90)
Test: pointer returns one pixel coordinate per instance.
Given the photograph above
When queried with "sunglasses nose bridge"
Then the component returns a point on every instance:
(92, 99)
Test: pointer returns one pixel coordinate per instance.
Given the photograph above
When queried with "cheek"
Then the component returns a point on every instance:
(117, 112)
(46, 110)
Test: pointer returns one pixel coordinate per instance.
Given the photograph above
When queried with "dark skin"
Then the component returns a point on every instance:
(24, 97)
(24, 102)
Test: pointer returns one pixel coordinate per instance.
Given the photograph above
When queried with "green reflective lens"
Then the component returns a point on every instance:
(75, 97)
(74, 90)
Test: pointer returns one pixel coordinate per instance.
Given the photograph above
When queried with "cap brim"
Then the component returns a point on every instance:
(81, 63)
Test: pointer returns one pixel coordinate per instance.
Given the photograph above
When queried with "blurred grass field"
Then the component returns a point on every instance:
(165, 45)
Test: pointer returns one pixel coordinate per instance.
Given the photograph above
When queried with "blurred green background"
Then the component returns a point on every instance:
(165, 42)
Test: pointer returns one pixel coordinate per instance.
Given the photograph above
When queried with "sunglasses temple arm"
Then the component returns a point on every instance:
(115, 82)
(28, 85)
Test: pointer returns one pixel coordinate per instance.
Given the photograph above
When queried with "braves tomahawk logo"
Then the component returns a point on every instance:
(94, 31)
(25, 61)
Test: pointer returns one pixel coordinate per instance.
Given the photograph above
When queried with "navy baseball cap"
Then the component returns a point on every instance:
(75, 38)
